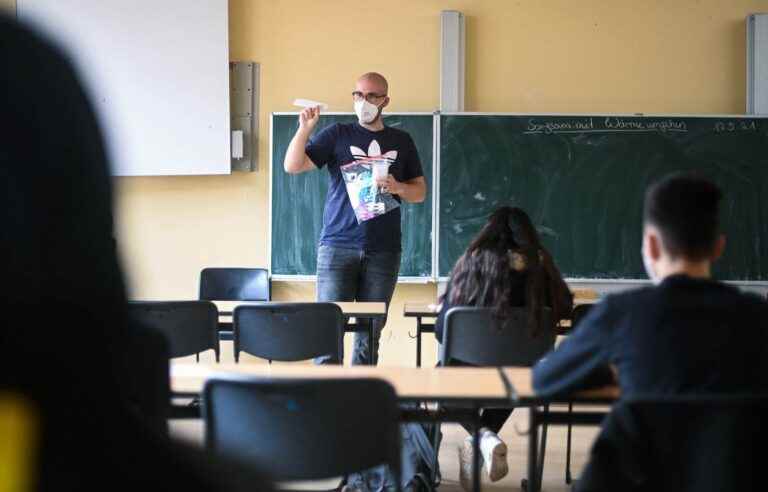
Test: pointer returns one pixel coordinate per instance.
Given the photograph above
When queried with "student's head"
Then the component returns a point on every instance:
(370, 97)
(523, 230)
(507, 229)
(496, 235)
(57, 252)
(681, 231)
(502, 259)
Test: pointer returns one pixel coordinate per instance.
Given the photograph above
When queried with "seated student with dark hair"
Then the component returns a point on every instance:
(505, 266)
(686, 334)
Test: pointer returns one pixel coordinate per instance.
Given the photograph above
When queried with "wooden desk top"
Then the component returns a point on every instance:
(585, 294)
(413, 309)
(521, 380)
(443, 383)
(353, 309)
(427, 310)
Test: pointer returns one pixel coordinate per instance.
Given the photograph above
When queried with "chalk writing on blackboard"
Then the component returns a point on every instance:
(610, 124)
(735, 126)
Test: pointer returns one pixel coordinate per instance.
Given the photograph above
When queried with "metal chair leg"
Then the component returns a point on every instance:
(568, 478)
(436, 447)
(476, 482)
(542, 450)
(532, 483)
(418, 342)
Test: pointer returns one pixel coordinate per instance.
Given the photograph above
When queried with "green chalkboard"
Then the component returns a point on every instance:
(297, 200)
(582, 180)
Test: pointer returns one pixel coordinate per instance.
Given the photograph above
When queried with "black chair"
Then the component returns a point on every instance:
(190, 327)
(146, 375)
(289, 331)
(305, 429)
(578, 313)
(474, 336)
(235, 284)
(680, 443)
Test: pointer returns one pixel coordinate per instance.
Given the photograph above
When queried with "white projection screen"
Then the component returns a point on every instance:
(157, 73)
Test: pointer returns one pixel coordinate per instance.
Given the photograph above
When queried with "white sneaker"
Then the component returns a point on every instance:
(465, 464)
(494, 453)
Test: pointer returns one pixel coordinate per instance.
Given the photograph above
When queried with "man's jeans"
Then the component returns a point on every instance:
(356, 275)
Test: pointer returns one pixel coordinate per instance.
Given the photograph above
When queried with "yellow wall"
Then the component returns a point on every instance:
(8, 4)
(685, 56)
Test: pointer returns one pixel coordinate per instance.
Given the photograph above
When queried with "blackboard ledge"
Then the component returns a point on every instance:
(574, 280)
(349, 113)
(633, 281)
(605, 287)
(313, 278)
(638, 282)
(641, 282)
(615, 115)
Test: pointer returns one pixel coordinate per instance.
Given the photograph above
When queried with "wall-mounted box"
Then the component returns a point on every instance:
(243, 110)
(757, 64)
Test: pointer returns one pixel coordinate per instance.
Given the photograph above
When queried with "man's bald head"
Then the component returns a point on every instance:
(377, 79)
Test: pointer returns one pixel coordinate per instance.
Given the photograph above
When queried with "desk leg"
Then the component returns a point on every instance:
(373, 342)
(542, 450)
(533, 438)
(418, 341)
(476, 451)
(347, 329)
(568, 447)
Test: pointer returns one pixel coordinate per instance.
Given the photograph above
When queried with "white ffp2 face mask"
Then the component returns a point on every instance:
(366, 112)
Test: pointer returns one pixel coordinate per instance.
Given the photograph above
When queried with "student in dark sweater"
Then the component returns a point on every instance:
(505, 266)
(686, 334)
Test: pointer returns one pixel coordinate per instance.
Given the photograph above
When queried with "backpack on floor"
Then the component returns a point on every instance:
(420, 444)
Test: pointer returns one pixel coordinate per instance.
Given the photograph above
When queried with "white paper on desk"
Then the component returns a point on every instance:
(308, 103)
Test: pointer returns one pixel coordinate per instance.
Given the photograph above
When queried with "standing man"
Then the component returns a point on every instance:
(371, 169)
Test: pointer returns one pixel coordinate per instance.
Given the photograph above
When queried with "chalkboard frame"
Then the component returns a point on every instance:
(435, 185)
(435, 141)
(575, 280)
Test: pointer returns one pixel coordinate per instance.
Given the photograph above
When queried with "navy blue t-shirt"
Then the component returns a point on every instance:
(333, 147)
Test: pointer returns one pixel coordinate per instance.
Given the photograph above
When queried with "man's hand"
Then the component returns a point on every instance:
(296, 160)
(390, 185)
(308, 119)
(412, 191)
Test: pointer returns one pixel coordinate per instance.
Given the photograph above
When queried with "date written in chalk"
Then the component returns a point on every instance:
(735, 126)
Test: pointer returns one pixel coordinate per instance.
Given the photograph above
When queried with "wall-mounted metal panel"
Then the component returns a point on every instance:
(244, 96)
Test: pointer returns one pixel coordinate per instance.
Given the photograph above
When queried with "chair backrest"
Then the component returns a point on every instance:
(289, 331)
(680, 443)
(145, 379)
(475, 336)
(579, 312)
(304, 429)
(235, 284)
(190, 327)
